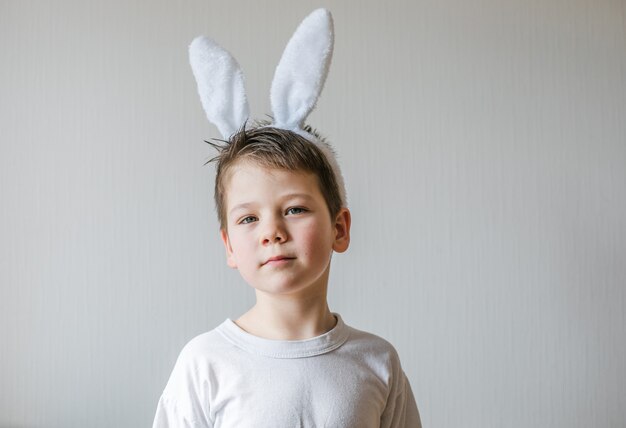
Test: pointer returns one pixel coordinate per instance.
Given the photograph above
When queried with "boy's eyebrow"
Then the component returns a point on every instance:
(239, 206)
(297, 195)
(287, 196)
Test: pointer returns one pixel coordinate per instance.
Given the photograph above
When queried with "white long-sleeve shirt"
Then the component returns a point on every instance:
(345, 378)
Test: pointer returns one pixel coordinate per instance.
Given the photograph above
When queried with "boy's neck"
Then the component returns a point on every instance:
(287, 320)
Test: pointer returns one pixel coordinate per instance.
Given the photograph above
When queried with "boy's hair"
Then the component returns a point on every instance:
(274, 148)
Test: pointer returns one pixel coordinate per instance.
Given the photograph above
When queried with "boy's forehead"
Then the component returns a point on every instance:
(248, 169)
(247, 177)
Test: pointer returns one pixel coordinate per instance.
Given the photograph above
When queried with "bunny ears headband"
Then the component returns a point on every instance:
(296, 87)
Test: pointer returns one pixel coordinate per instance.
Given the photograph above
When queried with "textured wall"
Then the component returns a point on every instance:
(484, 148)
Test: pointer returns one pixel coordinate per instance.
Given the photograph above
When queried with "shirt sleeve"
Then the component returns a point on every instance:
(168, 415)
(184, 402)
(401, 409)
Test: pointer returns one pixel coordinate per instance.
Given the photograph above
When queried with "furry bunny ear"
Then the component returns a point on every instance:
(220, 85)
(302, 70)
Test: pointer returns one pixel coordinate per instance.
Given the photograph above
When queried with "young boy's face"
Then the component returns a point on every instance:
(277, 213)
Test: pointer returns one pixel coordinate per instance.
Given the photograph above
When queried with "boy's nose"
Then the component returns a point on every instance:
(274, 232)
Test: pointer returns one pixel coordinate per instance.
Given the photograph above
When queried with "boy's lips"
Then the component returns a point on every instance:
(278, 259)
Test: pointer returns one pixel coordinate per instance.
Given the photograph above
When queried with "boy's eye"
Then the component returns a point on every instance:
(296, 210)
(247, 220)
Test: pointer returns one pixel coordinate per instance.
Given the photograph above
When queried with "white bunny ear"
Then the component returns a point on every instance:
(302, 70)
(220, 85)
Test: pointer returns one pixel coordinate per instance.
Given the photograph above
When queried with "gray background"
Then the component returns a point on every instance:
(483, 145)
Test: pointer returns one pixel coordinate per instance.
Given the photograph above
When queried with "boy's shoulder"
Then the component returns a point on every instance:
(372, 345)
(204, 344)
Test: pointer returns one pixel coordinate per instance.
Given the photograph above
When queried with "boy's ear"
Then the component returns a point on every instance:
(342, 231)
(230, 259)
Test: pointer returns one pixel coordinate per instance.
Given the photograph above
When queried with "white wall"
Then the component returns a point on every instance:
(484, 148)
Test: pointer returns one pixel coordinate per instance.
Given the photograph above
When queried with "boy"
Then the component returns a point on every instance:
(289, 361)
